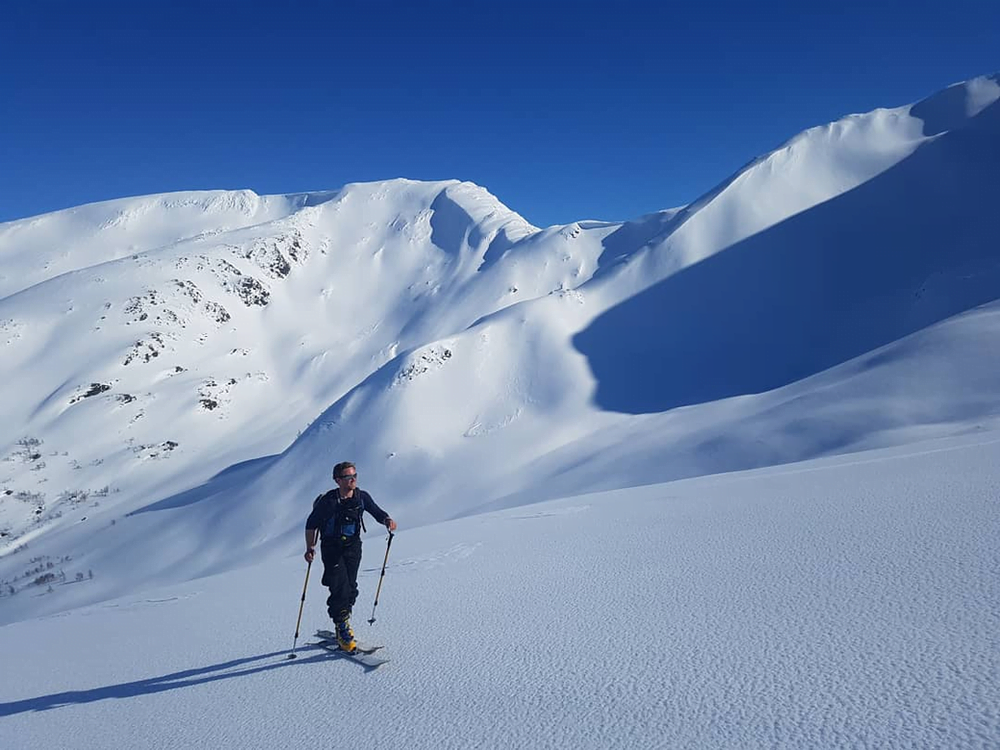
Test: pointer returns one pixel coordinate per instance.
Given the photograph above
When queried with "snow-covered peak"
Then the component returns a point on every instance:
(38, 248)
(457, 217)
(809, 169)
(159, 333)
(956, 105)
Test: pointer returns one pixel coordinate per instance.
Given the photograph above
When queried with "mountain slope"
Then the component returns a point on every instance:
(905, 249)
(170, 364)
(43, 247)
(845, 602)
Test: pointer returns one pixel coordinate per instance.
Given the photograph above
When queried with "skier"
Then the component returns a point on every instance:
(337, 515)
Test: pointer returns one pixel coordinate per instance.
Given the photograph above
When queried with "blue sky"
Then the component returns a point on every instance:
(564, 111)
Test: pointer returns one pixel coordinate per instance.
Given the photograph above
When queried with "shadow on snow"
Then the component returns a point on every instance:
(187, 678)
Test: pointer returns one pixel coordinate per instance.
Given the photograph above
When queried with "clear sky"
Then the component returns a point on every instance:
(564, 111)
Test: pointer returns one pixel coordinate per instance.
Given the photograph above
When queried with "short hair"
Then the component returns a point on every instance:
(338, 470)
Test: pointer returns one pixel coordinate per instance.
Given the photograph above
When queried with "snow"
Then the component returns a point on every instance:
(721, 476)
(849, 601)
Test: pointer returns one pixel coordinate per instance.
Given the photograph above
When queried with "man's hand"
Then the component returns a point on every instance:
(310, 554)
(390, 524)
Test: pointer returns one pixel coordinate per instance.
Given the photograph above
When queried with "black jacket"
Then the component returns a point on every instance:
(339, 520)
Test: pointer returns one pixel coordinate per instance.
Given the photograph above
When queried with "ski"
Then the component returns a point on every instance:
(331, 637)
(367, 658)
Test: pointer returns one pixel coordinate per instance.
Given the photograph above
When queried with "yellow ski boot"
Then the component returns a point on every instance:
(345, 637)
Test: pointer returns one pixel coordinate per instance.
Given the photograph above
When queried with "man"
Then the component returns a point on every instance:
(337, 515)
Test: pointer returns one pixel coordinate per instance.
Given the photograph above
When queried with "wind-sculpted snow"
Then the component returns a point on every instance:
(850, 602)
(951, 108)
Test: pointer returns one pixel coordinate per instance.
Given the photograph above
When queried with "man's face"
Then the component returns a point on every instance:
(348, 478)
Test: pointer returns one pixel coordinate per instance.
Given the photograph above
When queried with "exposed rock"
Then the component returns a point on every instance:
(95, 389)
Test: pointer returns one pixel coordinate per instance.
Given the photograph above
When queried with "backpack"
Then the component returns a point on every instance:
(344, 520)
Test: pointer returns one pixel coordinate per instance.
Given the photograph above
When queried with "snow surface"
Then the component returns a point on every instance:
(183, 370)
(845, 602)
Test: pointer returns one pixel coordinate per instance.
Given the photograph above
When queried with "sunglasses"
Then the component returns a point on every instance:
(348, 477)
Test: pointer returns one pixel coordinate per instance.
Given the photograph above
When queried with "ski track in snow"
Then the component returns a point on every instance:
(836, 604)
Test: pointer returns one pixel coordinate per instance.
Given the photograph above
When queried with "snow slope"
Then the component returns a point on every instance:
(907, 248)
(845, 602)
(165, 366)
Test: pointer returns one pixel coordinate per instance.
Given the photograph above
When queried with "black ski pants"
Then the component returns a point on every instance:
(340, 574)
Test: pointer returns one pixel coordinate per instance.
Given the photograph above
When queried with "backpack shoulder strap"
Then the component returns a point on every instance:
(323, 497)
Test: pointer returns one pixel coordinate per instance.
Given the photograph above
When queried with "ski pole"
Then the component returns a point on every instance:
(379, 588)
(303, 604)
